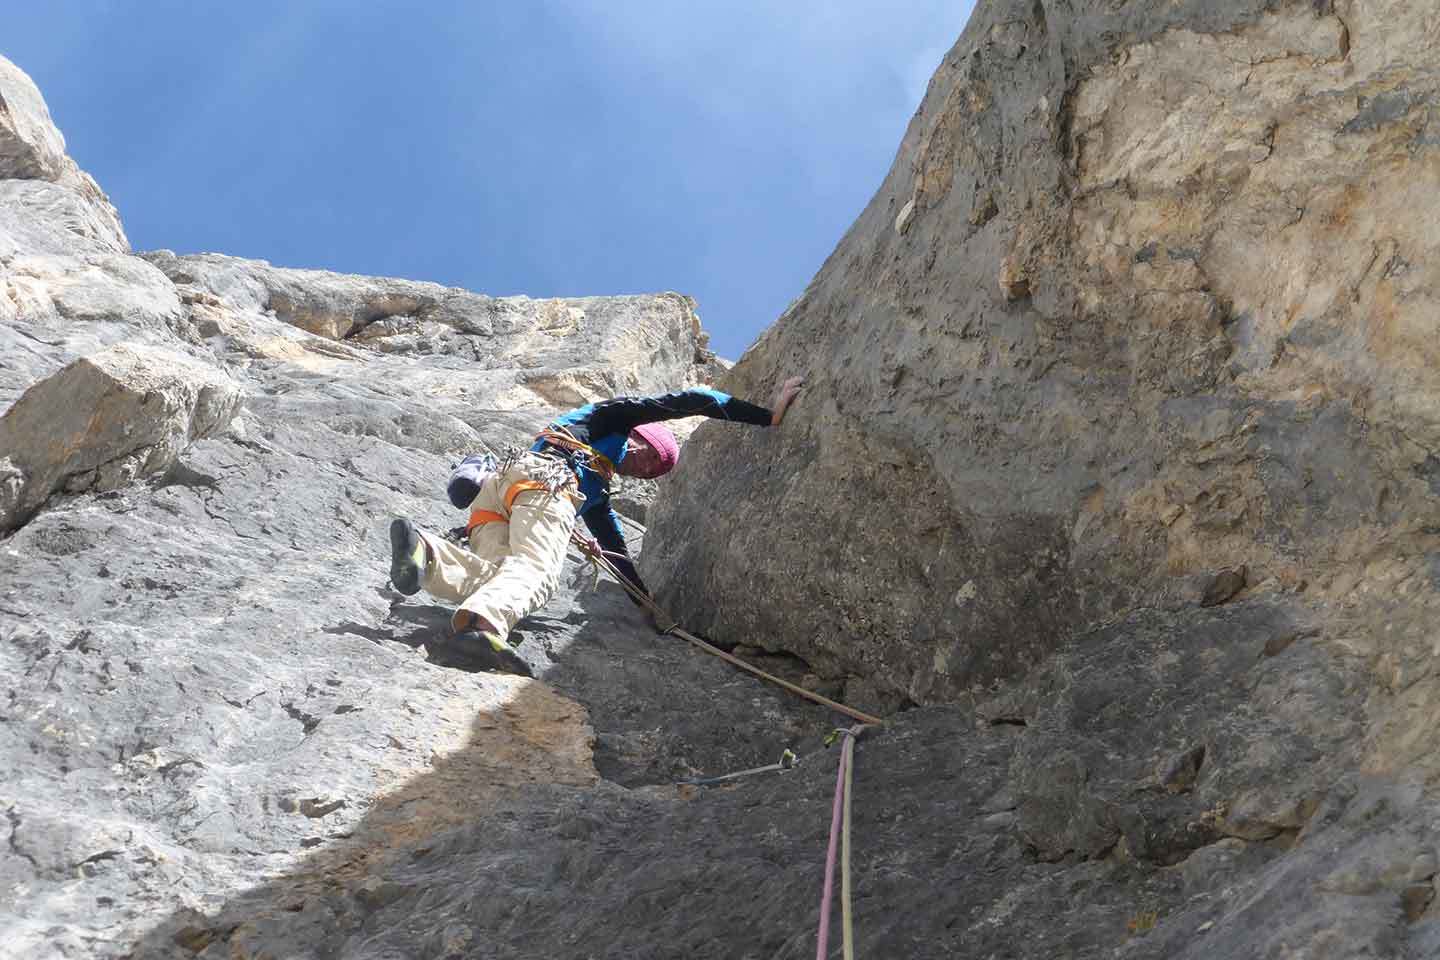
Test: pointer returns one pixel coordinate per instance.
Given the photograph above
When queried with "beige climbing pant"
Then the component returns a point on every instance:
(512, 567)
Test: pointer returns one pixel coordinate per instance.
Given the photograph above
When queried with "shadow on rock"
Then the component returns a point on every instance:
(972, 837)
(660, 710)
(416, 626)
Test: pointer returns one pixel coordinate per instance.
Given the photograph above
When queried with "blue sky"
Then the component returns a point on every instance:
(561, 148)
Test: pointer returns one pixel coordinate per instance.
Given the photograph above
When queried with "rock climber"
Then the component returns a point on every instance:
(506, 562)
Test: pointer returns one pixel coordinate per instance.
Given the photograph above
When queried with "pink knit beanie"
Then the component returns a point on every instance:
(663, 441)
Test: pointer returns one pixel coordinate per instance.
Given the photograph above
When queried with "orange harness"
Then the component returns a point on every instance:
(481, 517)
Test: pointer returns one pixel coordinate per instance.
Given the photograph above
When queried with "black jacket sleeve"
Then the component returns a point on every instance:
(604, 526)
(623, 414)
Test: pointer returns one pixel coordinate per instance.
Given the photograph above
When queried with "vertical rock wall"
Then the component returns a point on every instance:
(1074, 360)
(1148, 295)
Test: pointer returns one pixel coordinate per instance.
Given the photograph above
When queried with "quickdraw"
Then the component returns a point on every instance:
(788, 761)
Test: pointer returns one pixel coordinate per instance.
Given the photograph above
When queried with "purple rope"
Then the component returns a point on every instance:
(823, 941)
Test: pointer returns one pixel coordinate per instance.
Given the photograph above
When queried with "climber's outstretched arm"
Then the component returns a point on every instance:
(623, 414)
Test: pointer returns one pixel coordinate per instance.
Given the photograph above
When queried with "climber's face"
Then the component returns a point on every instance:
(641, 460)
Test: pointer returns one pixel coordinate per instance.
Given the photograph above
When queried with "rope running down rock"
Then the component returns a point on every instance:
(598, 557)
(840, 816)
(839, 827)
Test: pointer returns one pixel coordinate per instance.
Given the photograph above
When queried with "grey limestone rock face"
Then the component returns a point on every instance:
(1079, 358)
(1148, 297)
(107, 420)
(211, 684)
(561, 351)
(33, 148)
(1222, 357)
(68, 285)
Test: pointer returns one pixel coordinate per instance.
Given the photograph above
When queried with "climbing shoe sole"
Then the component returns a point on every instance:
(490, 652)
(407, 557)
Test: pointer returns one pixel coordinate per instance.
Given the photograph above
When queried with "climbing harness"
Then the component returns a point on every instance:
(550, 478)
(787, 761)
(839, 827)
(599, 559)
(479, 518)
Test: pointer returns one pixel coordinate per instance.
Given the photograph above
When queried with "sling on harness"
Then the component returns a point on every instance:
(570, 448)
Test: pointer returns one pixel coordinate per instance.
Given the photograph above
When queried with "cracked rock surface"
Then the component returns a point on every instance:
(1140, 329)
(1111, 488)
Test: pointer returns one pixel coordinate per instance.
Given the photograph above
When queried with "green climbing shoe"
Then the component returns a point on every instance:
(407, 557)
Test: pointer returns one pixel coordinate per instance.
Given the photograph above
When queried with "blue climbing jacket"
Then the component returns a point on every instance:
(606, 425)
